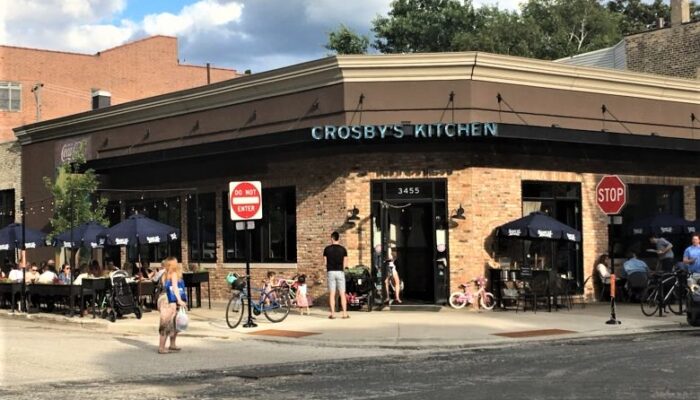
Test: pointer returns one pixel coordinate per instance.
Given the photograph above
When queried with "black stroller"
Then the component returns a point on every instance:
(120, 299)
(358, 282)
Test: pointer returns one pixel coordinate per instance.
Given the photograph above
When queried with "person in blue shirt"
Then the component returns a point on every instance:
(633, 266)
(691, 256)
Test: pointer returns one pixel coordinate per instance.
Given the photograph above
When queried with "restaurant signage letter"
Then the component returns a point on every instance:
(398, 131)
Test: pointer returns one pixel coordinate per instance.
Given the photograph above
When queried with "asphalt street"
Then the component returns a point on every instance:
(651, 366)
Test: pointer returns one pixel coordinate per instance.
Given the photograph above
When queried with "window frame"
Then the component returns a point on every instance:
(11, 86)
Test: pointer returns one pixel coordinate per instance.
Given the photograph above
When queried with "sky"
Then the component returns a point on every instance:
(242, 34)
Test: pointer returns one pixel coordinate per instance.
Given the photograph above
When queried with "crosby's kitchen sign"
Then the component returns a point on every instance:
(399, 131)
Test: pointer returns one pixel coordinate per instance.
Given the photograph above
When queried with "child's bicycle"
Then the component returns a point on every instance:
(275, 304)
(465, 296)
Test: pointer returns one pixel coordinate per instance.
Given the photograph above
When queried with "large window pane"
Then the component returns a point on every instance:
(274, 236)
(204, 241)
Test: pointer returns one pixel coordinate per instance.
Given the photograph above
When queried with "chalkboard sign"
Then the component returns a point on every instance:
(525, 271)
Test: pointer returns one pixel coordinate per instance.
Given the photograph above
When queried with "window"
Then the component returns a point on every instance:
(7, 207)
(204, 241)
(274, 238)
(10, 96)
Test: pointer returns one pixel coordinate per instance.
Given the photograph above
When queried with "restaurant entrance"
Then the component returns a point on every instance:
(410, 215)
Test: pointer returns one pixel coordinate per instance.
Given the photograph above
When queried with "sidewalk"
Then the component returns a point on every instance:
(392, 329)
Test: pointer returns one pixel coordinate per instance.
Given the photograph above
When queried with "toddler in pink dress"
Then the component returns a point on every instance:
(302, 300)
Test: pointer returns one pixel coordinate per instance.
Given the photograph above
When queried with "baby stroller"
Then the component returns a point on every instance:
(120, 300)
(358, 282)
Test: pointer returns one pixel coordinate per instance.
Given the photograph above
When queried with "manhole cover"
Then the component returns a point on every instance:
(535, 333)
(283, 333)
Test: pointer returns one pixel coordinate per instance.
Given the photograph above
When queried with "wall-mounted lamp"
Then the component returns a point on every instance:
(354, 214)
(459, 213)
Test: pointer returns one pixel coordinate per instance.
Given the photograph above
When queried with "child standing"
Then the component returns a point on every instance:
(269, 283)
(302, 300)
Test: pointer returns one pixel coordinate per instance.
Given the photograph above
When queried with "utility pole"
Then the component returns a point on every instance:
(36, 89)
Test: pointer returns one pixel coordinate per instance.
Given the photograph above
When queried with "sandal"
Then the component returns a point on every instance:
(163, 351)
(331, 317)
(174, 348)
(346, 316)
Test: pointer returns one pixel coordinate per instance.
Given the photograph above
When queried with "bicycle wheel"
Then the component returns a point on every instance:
(650, 301)
(234, 311)
(275, 305)
(457, 300)
(676, 301)
(487, 301)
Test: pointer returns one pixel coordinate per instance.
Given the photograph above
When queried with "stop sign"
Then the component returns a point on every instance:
(611, 194)
(245, 200)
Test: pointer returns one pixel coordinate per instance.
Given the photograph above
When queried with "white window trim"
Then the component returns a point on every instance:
(9, 85)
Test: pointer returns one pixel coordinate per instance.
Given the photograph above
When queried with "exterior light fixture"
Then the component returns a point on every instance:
(459, 213)
(354, 214)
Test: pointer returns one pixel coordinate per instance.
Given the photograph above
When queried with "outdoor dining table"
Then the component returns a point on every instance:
(13, 289)
(70, 292)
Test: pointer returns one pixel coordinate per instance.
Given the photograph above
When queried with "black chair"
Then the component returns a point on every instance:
(636, 283)
(534, 290)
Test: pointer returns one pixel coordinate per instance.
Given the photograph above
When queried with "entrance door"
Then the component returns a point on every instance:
(415, 226)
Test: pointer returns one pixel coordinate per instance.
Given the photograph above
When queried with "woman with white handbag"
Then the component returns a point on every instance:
(172, 299)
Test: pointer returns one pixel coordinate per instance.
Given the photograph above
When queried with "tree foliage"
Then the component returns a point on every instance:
(73, 195)
(346, 41)
(546, 29)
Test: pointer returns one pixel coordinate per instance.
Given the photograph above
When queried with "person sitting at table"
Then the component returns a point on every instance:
(65, 275)
(142, 271)
(127, 267)
(49, 275)
(82, 275)
(634, 265)
(603, 269)
(32, 276)
(15, 273)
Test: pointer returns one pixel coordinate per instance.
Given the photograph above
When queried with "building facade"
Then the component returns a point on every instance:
(37, 85)
(446, 146)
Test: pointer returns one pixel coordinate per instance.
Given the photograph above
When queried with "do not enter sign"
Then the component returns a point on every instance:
(245, 200)
(611, 194)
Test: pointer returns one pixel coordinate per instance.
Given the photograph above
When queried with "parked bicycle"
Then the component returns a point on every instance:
(465, 296)
(673, 295)
(274, 304)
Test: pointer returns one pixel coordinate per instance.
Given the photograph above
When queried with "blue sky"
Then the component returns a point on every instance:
(241, 34)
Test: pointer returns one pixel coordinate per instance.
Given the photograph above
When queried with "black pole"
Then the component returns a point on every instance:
(72, 256)
(384, 215)
(248, 233)
(611, 247)
(199, 234)
(23, 255)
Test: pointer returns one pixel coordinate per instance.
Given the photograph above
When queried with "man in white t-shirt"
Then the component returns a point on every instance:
(49, 275)
(15, 274)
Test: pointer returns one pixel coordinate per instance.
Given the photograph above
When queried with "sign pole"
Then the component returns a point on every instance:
(611, 247)
(248, 225)
(23, 255)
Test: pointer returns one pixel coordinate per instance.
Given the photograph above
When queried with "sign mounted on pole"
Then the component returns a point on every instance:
(245, 200)
(611, 194)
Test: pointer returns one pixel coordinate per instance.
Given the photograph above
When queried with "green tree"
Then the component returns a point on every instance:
(423, 26)
(73, 194)
(499, 31)
(570, 27)
(637, 15)
(346, 41)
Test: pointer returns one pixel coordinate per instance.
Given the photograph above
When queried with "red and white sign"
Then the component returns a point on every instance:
(611, 194)
(245, 200)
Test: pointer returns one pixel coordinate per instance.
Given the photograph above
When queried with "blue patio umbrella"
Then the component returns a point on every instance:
(89, 233)
(661, 224)
(11, 237)
(139, 229)
(538, 225)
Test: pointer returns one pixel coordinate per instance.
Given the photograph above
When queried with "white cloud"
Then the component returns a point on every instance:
(353, 13)
(202, 15)
(512, 5)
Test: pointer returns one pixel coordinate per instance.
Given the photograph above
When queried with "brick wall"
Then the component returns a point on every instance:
(10, 178)
(673, 51)
(327, 187)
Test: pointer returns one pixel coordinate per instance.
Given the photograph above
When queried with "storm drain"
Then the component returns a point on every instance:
(283, 333)
(535, 333)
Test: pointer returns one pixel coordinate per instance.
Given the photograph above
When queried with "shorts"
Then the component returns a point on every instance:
(336, 281)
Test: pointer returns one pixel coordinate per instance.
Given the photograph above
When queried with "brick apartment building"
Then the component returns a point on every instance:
(323, 137)
(40, 84)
